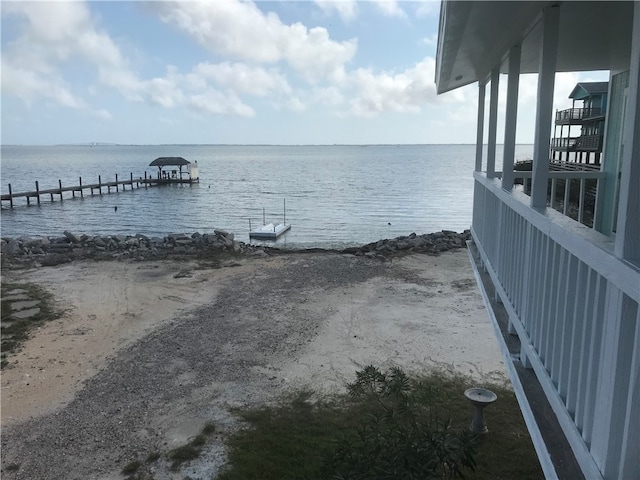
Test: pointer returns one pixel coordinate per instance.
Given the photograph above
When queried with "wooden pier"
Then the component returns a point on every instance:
(93, 188)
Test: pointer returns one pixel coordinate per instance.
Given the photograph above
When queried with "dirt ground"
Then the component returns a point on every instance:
(147, 352)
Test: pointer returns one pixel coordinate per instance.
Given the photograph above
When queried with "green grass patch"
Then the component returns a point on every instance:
(209, 429)
(131, 467)
(137, 470)
(183, 454)
(390, 426)
(152, 457)
(16, 331)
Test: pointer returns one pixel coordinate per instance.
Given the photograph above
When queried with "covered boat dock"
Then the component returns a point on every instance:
(176, 175)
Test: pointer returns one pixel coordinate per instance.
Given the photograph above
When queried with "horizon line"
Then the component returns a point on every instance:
(107, 144)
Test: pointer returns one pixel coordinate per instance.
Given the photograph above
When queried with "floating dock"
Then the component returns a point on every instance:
(269, 231)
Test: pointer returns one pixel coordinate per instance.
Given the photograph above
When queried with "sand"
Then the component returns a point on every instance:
(176, 343)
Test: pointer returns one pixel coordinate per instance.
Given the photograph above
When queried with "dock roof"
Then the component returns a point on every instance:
(164, 161)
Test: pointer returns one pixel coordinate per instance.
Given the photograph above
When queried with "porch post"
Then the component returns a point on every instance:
(627, 244)
(511, 118)
(617, 454)
(544, 107)
(480, 132)
(493, 122)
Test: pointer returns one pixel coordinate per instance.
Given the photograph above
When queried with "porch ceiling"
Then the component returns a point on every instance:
(474, 36)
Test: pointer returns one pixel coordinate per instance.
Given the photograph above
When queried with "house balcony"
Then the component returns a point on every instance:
(578, 116)
(584, 143)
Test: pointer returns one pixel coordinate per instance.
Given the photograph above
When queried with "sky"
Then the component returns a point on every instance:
(237, 72)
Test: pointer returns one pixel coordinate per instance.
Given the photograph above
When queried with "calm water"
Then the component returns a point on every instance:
(335, 195)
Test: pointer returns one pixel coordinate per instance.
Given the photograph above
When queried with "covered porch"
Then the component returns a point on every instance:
(569, 292)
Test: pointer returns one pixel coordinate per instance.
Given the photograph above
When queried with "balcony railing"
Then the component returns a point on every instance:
(572, 193)
(592, 143)
(577, 114)
(564, 143)
(559, 283)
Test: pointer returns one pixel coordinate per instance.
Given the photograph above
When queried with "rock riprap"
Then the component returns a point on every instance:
(53, 250)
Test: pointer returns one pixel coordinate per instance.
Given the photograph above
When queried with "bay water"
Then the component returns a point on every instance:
(335, 196)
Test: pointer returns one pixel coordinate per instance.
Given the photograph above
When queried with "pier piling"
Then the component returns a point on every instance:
(148, 181)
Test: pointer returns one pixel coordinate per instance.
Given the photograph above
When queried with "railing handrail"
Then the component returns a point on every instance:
(578, 175)
(578, 113)
(589, 246)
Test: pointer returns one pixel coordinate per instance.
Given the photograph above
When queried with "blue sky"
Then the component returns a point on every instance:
(231, 72)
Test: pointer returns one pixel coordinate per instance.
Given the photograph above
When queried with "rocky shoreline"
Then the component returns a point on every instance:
(54, 250)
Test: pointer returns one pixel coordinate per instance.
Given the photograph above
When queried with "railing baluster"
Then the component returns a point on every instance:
(567, 189)
(581, 202)
(577, 343)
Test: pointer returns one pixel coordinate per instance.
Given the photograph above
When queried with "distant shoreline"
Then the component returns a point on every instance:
(106, 144)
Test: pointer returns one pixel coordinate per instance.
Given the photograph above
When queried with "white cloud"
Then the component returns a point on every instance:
(564, 84)
(52, 34)
(390, 8)
(346, 9)
(328, 96)
(102, 114)
(427, 8)
(403, 92)
(56, 33)
(30, 86)
(165, 93)
(430, 41)
(241, 31)
(262, 50)
(214, 101)
(244, 79)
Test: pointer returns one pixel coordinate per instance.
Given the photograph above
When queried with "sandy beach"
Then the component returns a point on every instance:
(146, 352)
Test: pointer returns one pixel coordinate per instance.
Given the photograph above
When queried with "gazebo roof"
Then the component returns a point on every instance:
(164, 161)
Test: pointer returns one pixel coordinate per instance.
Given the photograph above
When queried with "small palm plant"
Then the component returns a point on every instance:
(405, 436)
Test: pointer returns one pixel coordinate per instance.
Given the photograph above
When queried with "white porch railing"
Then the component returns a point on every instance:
(585, 211)
(574, 307)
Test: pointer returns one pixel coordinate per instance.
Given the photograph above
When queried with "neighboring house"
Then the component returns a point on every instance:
(563, 297)
(589, 118)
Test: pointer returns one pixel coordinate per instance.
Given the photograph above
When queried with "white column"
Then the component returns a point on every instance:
(627, 244)
(493, 122)
(616, 377)
(544, 107)
(480, 132)
(511, 118)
